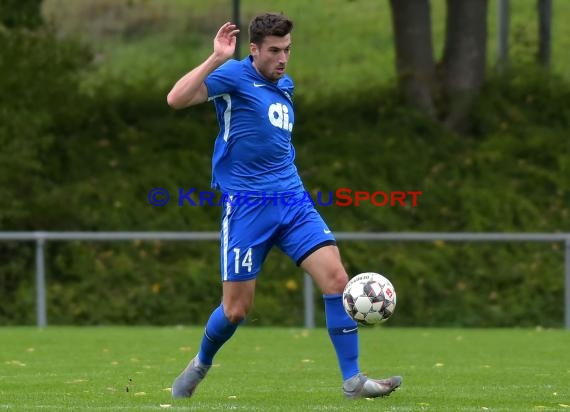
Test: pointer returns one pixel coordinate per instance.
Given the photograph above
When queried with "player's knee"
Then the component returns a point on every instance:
(236, 314)
(338, 281)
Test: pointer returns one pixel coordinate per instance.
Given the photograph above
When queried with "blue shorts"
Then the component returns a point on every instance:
(251, 228)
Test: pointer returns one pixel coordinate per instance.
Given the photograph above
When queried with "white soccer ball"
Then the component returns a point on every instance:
(369, 298)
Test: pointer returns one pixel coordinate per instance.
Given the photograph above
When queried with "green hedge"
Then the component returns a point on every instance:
(77, 159)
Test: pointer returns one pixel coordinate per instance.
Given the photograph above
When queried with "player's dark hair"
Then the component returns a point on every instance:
(269, 24)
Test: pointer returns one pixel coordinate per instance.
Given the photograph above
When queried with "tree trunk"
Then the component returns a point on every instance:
(464, 58)
(544, 31)
(414, 52)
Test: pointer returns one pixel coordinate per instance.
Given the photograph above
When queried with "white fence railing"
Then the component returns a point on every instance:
(40, 238)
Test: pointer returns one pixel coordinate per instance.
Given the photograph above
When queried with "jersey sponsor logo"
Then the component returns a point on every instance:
(258, 84)
(279, 116)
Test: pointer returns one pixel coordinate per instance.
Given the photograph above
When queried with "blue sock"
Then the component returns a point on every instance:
(343, 331)
(217, 332)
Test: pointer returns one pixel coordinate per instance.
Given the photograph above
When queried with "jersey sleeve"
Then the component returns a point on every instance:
(224, 79)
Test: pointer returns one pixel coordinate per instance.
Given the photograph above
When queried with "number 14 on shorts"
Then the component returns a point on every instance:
(246, 262)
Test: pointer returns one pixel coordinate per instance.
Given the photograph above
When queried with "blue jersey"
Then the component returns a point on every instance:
(253, 150)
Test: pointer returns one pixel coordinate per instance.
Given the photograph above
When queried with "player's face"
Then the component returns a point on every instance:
(270, 57)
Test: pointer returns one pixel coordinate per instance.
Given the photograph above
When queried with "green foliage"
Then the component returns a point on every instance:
(511, 177)
(37, 115)
(20, 13)
(83, 144)
(40, 110)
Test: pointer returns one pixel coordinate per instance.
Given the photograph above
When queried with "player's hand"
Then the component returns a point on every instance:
(225, 41)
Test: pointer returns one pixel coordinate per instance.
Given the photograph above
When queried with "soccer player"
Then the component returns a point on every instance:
(253, 154)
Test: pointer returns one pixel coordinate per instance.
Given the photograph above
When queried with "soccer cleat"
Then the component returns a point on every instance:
(185, 384)
(360, 386)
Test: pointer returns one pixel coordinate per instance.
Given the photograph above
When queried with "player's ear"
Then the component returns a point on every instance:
(253, 49)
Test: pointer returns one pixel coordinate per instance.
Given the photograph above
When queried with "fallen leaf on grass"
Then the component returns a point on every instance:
(76, 381)
(15, 363)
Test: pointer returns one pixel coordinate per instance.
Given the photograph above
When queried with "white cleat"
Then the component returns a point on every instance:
(360, 386)
(185, 384)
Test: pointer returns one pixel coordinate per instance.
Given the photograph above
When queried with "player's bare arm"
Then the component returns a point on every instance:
(190, 89)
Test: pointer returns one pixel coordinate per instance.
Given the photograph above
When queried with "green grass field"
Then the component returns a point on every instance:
(276, 369)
